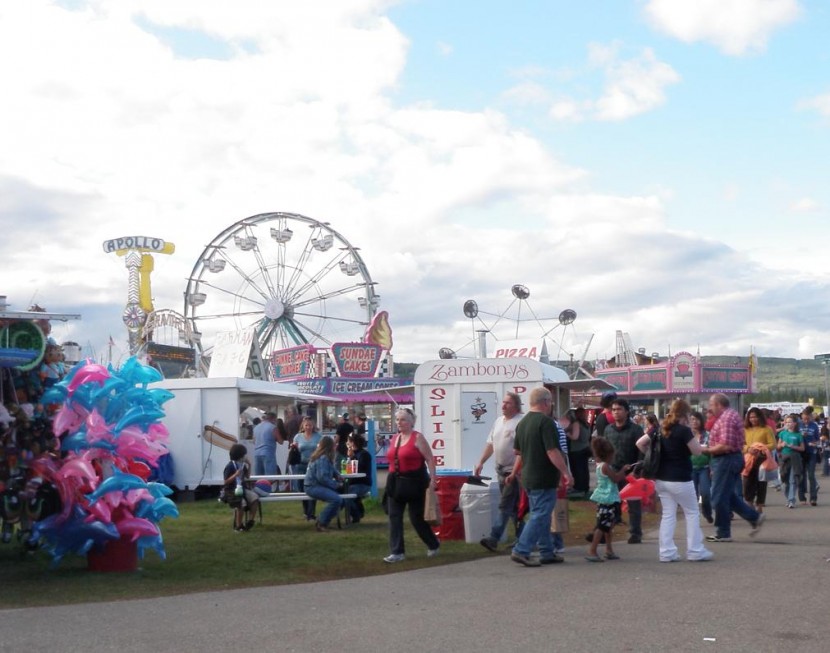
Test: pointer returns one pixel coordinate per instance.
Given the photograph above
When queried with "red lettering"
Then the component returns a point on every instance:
(439, 461)
(438, 427)
(439, 444)
(435, 412)
(519, 389)
(437, 394)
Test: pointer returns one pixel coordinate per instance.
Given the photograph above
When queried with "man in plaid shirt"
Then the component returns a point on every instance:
(726, 441)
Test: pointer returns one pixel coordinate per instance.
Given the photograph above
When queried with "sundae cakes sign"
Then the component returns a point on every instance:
(356, 359)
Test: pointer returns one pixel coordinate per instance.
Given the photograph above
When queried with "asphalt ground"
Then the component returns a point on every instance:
(768, 593)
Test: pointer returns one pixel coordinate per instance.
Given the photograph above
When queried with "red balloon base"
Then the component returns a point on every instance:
(117, 555)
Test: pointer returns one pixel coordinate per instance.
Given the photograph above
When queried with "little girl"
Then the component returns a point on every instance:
(790, 446)
(607, 497)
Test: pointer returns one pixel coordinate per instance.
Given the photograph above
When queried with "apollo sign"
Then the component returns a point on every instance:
(135, 242)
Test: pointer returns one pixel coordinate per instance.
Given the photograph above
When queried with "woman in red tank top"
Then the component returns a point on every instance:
(408, 453)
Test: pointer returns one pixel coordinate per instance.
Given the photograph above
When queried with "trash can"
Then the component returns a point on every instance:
(449, 483)
(480, 507)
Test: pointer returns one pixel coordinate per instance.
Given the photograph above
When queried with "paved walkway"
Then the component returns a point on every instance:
(764, 594)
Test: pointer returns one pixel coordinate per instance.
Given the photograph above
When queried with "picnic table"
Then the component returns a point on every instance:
(301, 496)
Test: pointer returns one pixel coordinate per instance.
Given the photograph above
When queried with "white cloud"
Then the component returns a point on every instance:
(116, 135)
(632, 86)
(820, 103)
(805, 205)
(735, 27)
(444, 49)
(528, 93)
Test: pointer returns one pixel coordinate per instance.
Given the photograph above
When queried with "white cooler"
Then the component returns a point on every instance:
(480, 506)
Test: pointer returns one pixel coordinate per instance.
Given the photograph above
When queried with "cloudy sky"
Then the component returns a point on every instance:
(658, 166)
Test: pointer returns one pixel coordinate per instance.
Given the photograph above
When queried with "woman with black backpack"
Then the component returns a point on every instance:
(674, 485)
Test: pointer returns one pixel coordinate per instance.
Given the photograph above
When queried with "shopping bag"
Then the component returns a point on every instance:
(559, 522)
(432, 512)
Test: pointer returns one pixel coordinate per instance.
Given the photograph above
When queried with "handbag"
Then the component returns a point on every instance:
(432, 515)
(560, 521)
(405, 487)
(294, 457)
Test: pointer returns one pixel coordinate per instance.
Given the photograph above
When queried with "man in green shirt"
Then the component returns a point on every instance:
(541, 465)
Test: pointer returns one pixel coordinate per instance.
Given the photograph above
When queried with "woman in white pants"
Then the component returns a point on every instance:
(674, 484)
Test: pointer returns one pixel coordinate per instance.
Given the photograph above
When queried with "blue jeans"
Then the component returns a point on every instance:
(333, 502)
(726, 473)
(790, 470)
(809, 475)
(536, 533)
(361, 490)
(508, 508)
(265, 465)
(703, 488)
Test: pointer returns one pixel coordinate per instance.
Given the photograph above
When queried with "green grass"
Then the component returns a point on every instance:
(203, 554)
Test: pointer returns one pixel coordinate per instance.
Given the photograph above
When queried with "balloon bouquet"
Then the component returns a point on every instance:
(110, 436)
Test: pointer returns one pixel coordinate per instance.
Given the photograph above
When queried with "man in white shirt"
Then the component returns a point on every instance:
(500, 442)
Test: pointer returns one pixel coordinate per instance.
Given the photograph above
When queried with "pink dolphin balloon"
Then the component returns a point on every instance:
(91, 372)
(135, 527)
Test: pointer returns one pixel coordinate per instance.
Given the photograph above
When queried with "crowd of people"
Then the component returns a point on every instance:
(716, 465)
(713, 465)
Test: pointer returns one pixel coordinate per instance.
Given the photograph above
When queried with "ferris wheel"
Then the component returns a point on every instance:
(291, 278)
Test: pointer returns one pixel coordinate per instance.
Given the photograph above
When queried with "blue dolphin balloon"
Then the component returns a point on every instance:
(118, 482)
(151, 542)
(73, 535)
(138, 415)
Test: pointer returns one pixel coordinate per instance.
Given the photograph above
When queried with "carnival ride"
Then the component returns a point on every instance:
(292, 279)
(519, 312)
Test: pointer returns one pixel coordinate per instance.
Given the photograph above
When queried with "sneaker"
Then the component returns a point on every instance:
(674, 558)
(813, 503)
(321, 528)
(553, 560)
(489, 543)
(790, 504)
(635, 539)
(703, 557)
(394, 557)
(431, 553)
(717, 538)
(527, 561)
(756, 525)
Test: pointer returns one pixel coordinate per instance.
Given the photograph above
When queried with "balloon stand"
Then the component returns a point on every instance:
(116, 555)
